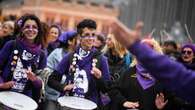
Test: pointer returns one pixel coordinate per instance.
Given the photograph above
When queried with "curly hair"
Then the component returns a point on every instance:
(39, 37)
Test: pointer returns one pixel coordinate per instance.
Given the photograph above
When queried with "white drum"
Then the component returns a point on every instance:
(18, 101)
(76, 103)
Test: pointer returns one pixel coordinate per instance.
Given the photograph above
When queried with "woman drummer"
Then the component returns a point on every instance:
(21, 58)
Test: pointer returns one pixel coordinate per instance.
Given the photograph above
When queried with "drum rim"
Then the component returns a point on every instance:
(94, 104)
(11, 106)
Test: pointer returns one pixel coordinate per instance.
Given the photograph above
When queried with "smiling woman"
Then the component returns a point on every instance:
(54, 33)
(21, 58)
(30, 30)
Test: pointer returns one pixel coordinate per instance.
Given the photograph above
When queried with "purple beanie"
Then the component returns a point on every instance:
(64, 37)
(192, 46)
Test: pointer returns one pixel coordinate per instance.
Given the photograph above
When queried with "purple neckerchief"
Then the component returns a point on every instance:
(85, 60)
(34, 48)
(144, 78)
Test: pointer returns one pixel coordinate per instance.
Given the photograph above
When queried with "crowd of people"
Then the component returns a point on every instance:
(45, 62)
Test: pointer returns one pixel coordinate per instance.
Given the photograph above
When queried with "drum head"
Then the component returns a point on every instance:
(76, 103)
(17, 101)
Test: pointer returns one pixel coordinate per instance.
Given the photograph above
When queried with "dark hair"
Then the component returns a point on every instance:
(102, 38)
(45, 28)
(56, 26)
(40, 36)
(86, 23)
(171, 43)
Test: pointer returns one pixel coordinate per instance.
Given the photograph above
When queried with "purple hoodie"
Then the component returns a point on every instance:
(173, 75)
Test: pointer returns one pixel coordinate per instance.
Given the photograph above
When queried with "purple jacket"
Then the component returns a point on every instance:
(7, 54)
(173, 75)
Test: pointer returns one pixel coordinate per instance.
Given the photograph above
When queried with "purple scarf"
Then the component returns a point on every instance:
(144, 78)
(34, 48)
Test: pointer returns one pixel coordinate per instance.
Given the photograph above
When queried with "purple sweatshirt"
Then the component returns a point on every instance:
(173, 75)
(25, 58)
(86, 64)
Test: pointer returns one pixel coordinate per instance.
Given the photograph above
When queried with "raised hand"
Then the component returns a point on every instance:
(125, 36)
(160, 101)
(96, 72)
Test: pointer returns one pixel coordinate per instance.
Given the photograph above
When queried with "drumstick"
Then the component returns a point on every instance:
(169, 37)
(161, 38)
(153, 30)
(188, 34)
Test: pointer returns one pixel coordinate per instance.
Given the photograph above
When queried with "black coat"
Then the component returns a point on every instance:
(126, 88)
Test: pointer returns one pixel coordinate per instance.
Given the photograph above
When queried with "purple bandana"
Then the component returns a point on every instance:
(144, 77)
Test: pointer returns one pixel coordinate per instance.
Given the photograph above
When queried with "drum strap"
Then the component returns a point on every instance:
(15, 47)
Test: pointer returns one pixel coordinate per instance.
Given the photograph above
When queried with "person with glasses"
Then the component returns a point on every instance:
(168, 100)
(83, 77)
(187, 57)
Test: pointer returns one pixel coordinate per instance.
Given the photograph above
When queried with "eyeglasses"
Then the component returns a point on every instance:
(187, 52)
